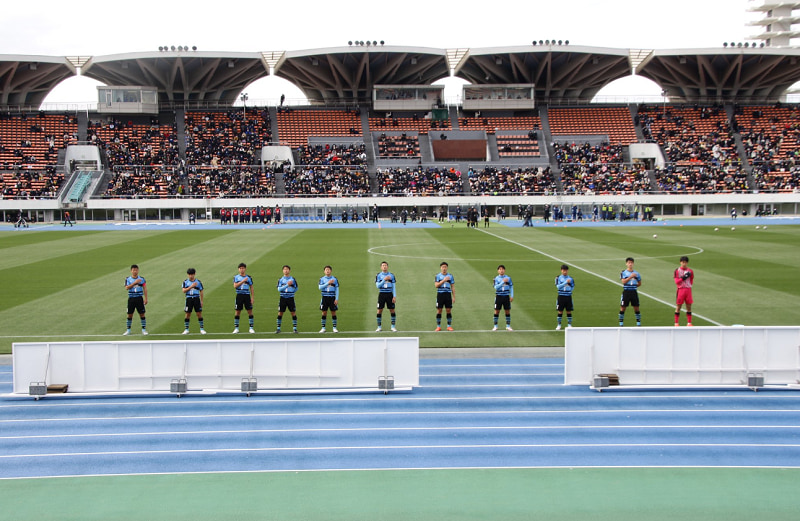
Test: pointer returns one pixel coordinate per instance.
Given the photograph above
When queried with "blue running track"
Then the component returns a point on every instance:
(467, 413)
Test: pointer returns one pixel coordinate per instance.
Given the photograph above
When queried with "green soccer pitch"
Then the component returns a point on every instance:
(68, 285)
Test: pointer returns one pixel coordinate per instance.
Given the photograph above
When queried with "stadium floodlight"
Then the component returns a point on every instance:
(173, 48)
(374, 43)
(160, 48)
(350, 42)
(533, 42)
(566, 42)
(369, 43)
(560, 42)
(382, 42)
(541, 42)
(724, 44)
(194, 47)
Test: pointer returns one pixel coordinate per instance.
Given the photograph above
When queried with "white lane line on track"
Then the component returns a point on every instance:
(200, 401)
(398, 429)
(407, 447)
(399, 413)
(399, 469)
(616, 282)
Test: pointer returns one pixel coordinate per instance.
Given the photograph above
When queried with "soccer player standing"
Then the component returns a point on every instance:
(684, 279)
(137, 298)
(193, 291)
(243, 284)
(631, 281)
(445, 296)
(504, 296)
(565, 285)
(287, 287)
(386, 283)
(329, 287)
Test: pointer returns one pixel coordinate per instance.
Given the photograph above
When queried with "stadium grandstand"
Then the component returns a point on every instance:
(169, 138)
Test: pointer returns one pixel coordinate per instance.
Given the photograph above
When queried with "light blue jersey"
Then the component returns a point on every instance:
(386, 283)
(137, 290)
(328, 289)
(285, 289)
(565, 285)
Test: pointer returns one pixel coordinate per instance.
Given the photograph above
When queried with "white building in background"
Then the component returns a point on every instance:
(777, 23)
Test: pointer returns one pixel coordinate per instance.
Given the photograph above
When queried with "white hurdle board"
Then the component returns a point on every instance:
(684, 356)
(218, 365)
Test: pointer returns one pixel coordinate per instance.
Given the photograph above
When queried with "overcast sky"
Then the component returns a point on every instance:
(59, 28)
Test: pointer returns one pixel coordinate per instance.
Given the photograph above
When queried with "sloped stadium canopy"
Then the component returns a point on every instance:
(27, 80)
(350, 73)
(181, 75)
(730, 74)
(347, 74)
(557, 71)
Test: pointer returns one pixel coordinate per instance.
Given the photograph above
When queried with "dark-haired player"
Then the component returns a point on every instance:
(684, 279)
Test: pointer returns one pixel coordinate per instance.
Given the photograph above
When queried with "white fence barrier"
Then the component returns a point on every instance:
(696, 356)
(219, 365)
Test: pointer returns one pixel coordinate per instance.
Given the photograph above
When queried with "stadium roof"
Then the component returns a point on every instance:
(347, 74)
(26, 80)
(727, 74)
(181, 75)
(557, 71)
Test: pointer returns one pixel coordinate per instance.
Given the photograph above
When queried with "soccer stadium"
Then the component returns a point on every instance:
(472, 397)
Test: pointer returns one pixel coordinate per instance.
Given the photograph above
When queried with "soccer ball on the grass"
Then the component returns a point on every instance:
(716, 229)
(655, 236)
(758, 227)
(733, 228)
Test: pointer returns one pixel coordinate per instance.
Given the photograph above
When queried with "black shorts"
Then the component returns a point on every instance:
(444, 300)
(136, 304)
(286, 303)
(564, 302)
(328, 303)
(243, 302)
(385, 301)
(629, 298)
(502, 302)
(192, 304)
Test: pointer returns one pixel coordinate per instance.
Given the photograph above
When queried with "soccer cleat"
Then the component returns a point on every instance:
(127, 332)
(508, 328)
(236, 331)
(252, 330)
(677, 325)
(335, 330)
(394, 329)
(322, 330)
(379, 329)
(202, 331)
(185, 332)
(144, 332)
(450, 328)
(294, 330)
(494, 328)
(689, 324)
(569, 325)
(558, 327)
(438, 328)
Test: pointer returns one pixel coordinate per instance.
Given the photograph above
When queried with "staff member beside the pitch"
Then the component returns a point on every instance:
(193, 290)
(565, 285)
(445, 296)
(386, 283)
(504, 296)
(243, 284)
(329, 287)
(137, 298)
(684, 279)
(631, 281)
(287, 287)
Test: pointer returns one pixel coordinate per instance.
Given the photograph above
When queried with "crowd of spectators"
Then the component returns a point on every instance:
(353, 154)
(419, 181)
(505, 180)
(599, 168)
(30, 184)
(402, 145)
(690, 135)
(327, 180)
(702, 179)
(771, 138)
(228, 138)
(129, 144)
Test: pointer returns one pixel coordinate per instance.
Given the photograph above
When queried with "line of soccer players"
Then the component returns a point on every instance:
(386, 283)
